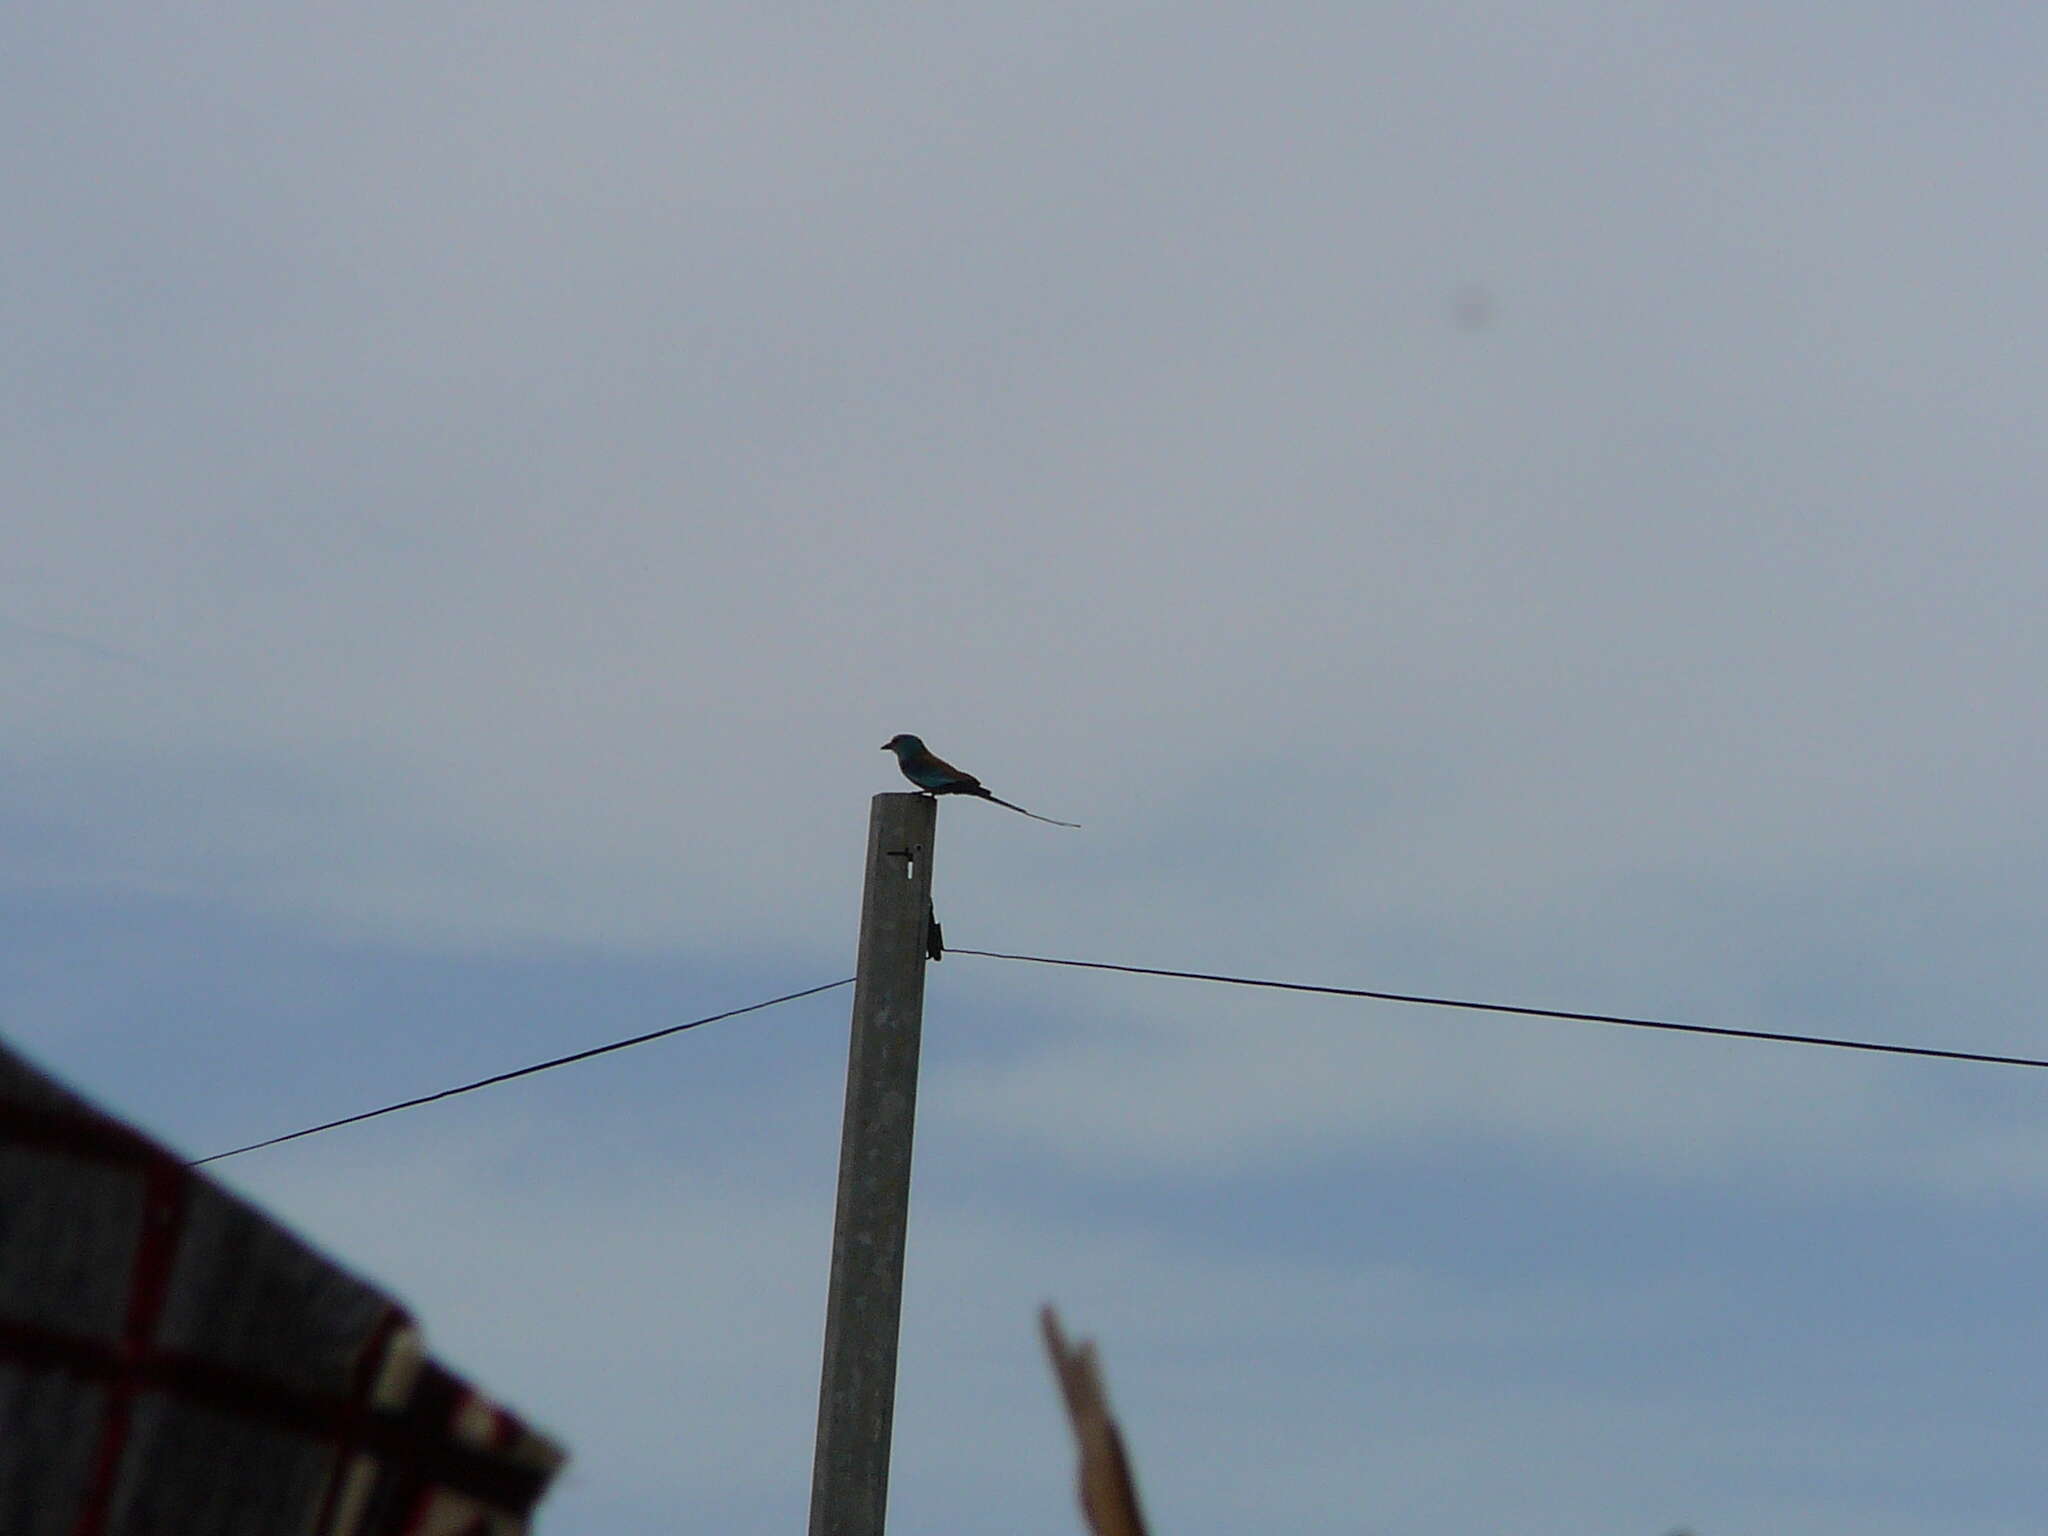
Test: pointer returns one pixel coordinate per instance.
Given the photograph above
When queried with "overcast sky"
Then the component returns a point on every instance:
(1530, 502)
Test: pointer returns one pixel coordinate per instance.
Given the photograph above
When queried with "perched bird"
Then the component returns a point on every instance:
(936, 776)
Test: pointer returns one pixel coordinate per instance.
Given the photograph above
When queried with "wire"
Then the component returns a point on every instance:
(506, 1077)
(1830, 1041)
(1534, 1013)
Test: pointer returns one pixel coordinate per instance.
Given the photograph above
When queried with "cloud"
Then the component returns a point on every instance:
(1108, 446)
(668, 1323)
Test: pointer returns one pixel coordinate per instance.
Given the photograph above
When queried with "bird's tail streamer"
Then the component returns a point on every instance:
(1032, 814)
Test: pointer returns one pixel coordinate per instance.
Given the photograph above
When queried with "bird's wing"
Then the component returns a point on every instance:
(936, 765)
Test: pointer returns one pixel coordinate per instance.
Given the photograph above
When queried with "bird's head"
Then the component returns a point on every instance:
(903, 746)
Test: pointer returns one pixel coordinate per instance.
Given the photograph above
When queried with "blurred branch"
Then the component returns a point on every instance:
(1109, 1497)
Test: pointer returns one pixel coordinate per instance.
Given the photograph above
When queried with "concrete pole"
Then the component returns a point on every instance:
(857, 1397)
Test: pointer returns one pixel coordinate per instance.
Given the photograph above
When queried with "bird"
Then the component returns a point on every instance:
(936, 776)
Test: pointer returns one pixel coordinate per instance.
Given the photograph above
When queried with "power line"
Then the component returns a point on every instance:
(1418, 999)
(1534, 1013)
(539, 1066)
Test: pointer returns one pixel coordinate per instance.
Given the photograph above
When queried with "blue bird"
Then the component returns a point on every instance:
(936, 776)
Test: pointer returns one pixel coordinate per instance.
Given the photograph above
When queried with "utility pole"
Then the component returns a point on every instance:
(857, 1397)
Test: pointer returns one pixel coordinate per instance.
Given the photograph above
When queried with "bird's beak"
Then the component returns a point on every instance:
(885, 746)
